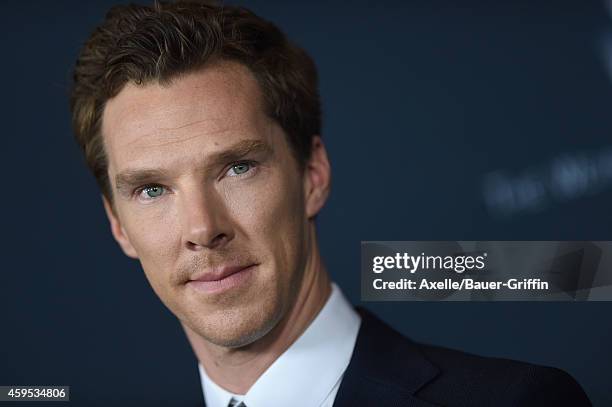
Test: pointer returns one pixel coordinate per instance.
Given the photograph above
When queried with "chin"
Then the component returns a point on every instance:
(237, 327)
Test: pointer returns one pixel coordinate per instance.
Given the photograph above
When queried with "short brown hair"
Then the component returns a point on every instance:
(141, 44)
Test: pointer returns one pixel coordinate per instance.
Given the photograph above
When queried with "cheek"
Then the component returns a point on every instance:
(153, 233)
(269, 213)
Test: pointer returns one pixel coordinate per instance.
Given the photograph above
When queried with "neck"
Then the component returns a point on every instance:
(237, 369)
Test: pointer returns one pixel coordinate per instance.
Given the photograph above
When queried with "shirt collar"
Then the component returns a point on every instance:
(305, 374)
(215, 395)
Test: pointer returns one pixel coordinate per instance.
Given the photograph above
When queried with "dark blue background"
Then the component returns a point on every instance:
(422, 100)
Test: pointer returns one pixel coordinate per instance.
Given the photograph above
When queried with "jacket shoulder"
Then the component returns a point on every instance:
(498, 381)
(457, 378)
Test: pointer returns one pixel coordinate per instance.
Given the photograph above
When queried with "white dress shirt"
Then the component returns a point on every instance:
(308, 374)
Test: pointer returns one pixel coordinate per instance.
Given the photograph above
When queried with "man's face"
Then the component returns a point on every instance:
(205, 186)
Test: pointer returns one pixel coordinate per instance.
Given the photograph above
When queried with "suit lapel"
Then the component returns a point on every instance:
(386, 369)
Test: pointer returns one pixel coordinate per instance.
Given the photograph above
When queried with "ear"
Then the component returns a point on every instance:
(118, 231)
(317, 178)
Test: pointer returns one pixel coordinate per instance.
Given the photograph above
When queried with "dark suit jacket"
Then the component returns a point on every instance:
(389, 370)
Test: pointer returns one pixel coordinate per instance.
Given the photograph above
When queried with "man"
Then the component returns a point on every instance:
(202, 127)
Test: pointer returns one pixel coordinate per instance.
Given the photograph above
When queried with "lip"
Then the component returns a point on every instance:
(221, 279)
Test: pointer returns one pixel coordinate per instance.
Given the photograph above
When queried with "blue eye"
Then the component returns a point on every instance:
(240, 168)
(153, 191)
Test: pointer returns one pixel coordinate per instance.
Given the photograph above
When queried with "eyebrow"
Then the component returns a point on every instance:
(128, 179)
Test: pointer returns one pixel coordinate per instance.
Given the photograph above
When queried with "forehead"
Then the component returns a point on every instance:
(199, 111)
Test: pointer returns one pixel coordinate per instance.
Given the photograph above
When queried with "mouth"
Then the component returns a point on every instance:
(222, 279)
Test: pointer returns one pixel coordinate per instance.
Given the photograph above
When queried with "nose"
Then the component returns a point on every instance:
(205, 220)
